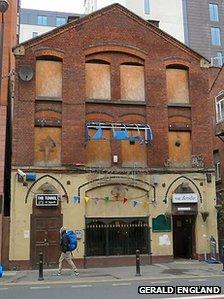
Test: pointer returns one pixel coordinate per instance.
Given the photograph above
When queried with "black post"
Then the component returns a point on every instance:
(138, 263)
(223, 258)
(41, 276)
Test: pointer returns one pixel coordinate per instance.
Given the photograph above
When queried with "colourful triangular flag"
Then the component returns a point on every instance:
(135, 203)
(145, 205)
(96, 199)
(125, 200)
(76, 199)
(106, 199)
(87, 199)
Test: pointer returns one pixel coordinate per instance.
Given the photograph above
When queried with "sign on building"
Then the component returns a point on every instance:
(185, 198)
(47, 200)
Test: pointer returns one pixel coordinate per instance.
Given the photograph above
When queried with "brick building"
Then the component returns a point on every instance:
(110, 121)
(10, 38)
(217, 99)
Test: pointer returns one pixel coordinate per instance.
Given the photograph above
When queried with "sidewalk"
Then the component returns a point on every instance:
(180, 269)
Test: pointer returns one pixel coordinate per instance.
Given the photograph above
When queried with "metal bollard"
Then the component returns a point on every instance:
(41, 276)
(138, 263)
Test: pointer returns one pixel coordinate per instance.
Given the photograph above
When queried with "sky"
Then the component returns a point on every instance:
(55, 5)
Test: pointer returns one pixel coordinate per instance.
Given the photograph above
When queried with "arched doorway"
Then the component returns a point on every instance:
(184, 213)
(46, 221)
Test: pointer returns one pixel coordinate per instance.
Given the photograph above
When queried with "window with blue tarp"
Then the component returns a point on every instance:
(121, 131)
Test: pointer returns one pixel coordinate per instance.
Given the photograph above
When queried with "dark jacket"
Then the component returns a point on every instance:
(64, 242)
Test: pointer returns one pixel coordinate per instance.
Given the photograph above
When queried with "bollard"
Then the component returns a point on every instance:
(138, 263)
(41, 276)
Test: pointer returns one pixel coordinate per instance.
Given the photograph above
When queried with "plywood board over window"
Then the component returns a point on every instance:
(49, 79)
(177, 85)
(98, 152)
(132, 82)
(134, 154)
(98, 81)
(47, 146)
(180, 147)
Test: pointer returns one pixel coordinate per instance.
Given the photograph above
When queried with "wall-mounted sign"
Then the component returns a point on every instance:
(184, 209)
(47, 200)
(185, 198)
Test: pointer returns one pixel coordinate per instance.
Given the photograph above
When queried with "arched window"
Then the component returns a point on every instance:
(97, 80)
(177, 79)
(132, 82)
(48, 77)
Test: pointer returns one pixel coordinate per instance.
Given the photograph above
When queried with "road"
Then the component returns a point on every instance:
(110, 290)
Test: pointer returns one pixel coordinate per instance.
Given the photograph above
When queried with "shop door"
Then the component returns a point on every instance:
(45, 239)
(184, 236)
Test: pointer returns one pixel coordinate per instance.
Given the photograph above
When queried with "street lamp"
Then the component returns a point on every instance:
(3, 7)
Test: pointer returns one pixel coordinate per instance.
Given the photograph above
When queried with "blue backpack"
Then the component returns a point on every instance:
(1, 270)
(72, 238)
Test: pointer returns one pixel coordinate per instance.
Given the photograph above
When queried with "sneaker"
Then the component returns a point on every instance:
(59, 273)
(76, 273)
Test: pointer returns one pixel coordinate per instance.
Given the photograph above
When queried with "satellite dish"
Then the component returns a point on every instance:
(25, 73)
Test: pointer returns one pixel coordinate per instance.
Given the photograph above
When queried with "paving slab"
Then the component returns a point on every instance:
(170, 270)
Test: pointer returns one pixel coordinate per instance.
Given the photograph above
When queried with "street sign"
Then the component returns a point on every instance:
(47, 200)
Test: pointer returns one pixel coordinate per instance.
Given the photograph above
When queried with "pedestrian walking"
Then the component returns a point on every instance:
(65, 253)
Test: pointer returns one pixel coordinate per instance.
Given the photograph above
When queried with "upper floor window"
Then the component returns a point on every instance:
(219, 59)
(217, 163)
(147, 6)
(216, 36)
(60, 21)
(42, 20)
(49, 78)
(132, 82)
(214, 12)
(35, 34)
(177, 85)
(220, 107)
(98, 80)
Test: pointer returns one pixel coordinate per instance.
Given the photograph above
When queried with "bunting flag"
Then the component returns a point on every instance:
(65, 196)
(76, 199)
(87, 199)
(96, 199)
(135, 203)
(145, 205)
(107, 199)
(125, 200)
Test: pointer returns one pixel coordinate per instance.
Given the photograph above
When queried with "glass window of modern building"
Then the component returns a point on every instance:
(219, 59)
(42, 20)
(214, 12)
(216, 36)
(147, 6)
(34, 34)
(60, 21)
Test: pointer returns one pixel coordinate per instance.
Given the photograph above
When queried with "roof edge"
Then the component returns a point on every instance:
(103, 10)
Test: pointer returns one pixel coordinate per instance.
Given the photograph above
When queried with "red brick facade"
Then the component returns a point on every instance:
(9, 41)
(114, 32)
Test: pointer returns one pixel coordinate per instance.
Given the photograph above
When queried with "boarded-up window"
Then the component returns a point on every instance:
(134, 154)
(47, 146)
(132, 82)
(98, 81)
(98, 152)
(180, 147)
(49, 79)
(177, 85)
